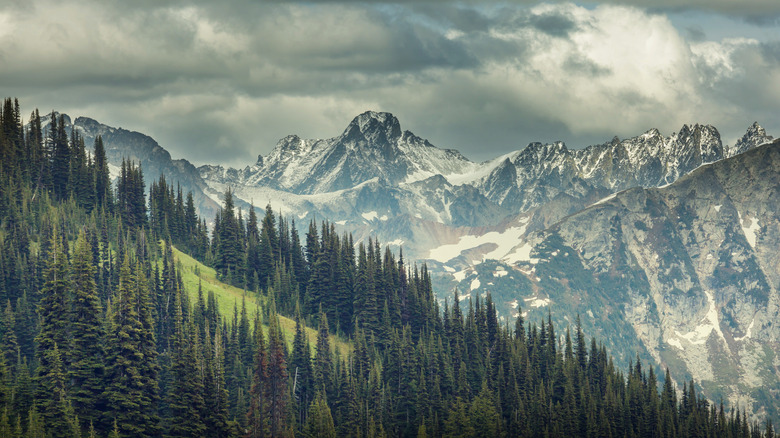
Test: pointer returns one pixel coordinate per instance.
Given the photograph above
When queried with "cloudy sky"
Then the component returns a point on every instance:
(221, 82)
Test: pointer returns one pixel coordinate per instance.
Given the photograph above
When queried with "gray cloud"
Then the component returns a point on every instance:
(553, 24)
(223, 82)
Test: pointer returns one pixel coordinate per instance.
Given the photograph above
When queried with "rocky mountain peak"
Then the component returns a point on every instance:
(373, 128)
(755, 136)
(756, 130)
(91, 127)
(46, 118)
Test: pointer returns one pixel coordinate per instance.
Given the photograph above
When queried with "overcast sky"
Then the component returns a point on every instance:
(221, 82)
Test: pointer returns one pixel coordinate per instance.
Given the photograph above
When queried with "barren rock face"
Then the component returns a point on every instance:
(693, 269)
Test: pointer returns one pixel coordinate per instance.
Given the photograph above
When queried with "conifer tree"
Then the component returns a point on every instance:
(57, 412)
(127, 388)
(9, 346)
(103, 193)
(229, 243)
(60, 156)
(323, 361)
(185, 397)
(87, 354)
(215, 391)
(258, 421)
(277, 389)
(320, 421)
(54, 305)
(301, 369)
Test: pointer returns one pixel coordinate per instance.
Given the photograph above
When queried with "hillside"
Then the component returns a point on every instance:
(195, 273)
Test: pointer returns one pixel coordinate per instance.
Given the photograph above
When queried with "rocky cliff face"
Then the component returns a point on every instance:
(686, 276)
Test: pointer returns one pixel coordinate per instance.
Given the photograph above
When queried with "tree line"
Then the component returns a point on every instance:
(99, 335)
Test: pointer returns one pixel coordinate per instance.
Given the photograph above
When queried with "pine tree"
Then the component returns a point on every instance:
(277, 389)
(257, 419)
(215, 391)
(185, 399)
(229, 244)
(9, 346)
(87, 354)
(320, 421)
(301, 369)
(103, 193)
(60, 156)
(128, 384)
(323, 361)
(56, 409)
(53, 307)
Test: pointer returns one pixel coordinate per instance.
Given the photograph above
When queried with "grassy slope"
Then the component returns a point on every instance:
(229, 296)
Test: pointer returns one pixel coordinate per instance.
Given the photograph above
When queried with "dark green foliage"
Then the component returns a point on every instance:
(320, 421)
(53, 307)
(60, 156)
(131, 380)
(300, 369)
(56, 409)
(86, 374)
(185, 397)
(258, 422)
(131, 201)
(277, 394)
(229, 244)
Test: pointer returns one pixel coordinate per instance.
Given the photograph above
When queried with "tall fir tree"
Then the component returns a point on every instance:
(127, 389)
(53, 308)
(87, 353)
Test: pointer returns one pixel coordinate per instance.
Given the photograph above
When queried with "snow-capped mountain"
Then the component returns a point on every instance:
(540, 172)
(375, 175)
(372, 146)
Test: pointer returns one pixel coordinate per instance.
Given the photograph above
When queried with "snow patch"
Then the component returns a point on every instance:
(590, 313)
(397, 242)
(383, 217)
(674, 342)
(500, 273)
(449, 269)
(522, 254)
(537, 302)
(504, 242)
(750, 230)
(717, 208)
(460, 276)
(340, 222)
(514, 304)
(371, 215)
(749, 331)
(709, 323)
(475, 284)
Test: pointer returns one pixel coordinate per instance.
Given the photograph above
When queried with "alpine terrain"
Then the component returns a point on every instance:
(664, 246)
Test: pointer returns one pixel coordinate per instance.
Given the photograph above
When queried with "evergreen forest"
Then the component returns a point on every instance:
(101, 337)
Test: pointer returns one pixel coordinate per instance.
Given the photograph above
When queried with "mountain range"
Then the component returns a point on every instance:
(664, 246)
